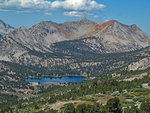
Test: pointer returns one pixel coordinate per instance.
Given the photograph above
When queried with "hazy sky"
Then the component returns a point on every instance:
(29, 12)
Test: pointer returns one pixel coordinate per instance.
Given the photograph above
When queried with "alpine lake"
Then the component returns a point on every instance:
(57, 80)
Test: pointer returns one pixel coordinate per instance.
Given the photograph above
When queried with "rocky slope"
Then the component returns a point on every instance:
(26, 46)
(40, 37)
(5, 28)
(107, 37)
(140, 65)
(78, 37)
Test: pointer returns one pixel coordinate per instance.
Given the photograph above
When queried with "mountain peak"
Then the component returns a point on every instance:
(111, 22)
(18, 31)
(45, 22)
(100, 26)
(4, 25)
(86, 20)
(5, 28)
(23, 28)
(1, 21)
(135, 27)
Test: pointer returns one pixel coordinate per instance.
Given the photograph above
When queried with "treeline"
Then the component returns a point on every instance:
(109, 63)
(105, 85)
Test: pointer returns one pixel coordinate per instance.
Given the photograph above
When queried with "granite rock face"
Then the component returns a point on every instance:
(5, 28)
(76, 37)
(140, 65)
(108, 37)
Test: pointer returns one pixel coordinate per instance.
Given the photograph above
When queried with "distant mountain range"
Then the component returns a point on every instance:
(72, 48)
(5, 28)
(78, 37)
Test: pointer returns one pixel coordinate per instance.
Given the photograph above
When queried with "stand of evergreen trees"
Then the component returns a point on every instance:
(113, 106)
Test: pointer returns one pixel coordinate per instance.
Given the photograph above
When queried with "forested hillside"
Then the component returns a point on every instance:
(104, 94)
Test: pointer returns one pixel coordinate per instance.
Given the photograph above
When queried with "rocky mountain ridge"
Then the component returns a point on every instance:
(76, 37)
(5, 28)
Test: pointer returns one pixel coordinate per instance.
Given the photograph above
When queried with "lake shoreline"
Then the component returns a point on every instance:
(56, 80)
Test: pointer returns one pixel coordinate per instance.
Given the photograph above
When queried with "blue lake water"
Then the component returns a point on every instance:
(62, 80)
